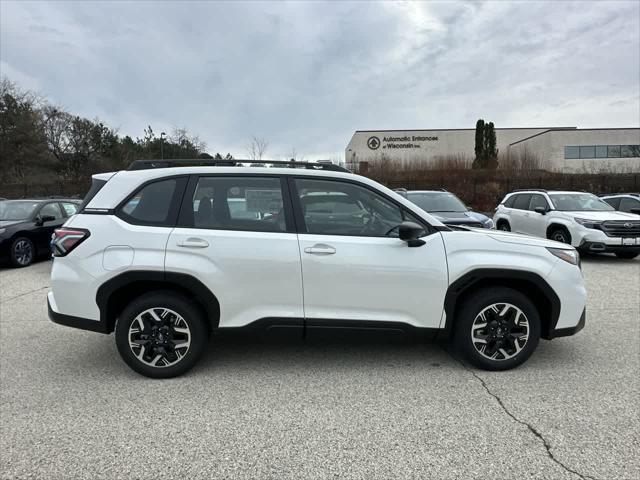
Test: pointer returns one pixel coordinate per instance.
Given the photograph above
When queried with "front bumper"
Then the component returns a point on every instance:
(566, 332)
(75, 322)
(601, 247)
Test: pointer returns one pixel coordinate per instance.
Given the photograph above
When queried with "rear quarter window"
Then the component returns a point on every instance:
(154, 204)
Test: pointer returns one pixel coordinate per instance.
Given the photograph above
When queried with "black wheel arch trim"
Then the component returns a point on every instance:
(154, 280)
(507, 277)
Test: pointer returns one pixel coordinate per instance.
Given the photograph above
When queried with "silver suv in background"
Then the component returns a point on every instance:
(624, 202)
(577, 218)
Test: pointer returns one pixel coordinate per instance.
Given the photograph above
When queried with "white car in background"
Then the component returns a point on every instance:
(576, 218)
(624, 202)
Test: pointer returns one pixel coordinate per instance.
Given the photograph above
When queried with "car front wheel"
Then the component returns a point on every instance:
(161, 335)
(497, 329)
(23, 252)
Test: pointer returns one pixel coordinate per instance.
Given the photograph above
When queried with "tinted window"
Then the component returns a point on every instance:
(626, 204)
(571, 152)
(51, 209)
(510, 201)
(613, 151)
(614, 202)
(69, 208)
(239, 203)
(522, 202)
(368, 213)
(601, 151)
(538, 201)
(437, 201)
(151, 204)
(588, 151)
(17, 209)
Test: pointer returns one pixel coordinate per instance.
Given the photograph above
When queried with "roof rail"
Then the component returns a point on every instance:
(208, 162)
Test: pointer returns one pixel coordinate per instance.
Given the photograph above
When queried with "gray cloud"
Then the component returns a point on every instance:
(306, 75)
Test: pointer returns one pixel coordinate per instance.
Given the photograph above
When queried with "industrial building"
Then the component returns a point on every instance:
(562, 149)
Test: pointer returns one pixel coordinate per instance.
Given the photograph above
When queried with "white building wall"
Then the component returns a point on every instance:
(550, 146)
(425, 145)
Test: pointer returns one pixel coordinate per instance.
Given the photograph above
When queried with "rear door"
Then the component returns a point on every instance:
(43, 232)
(520, 213)
(236, 235)
(534, 223)
(355, 268)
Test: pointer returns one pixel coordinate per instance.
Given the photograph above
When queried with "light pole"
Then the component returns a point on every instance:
(162, 145)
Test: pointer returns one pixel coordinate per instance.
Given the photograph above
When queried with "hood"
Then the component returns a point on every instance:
(509, 237)
(603, 216)
(11, 223)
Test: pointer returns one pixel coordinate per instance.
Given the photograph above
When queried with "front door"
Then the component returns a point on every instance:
(355, 267)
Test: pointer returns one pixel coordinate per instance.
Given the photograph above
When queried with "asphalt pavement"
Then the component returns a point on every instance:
(368, 409)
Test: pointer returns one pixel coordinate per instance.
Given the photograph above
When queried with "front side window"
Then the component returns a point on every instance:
(626, 204)
(69, 208)
(239, 203)
(341, 208)
(538, 201)
(17, 209)
(151, 204)
(614, 202)
(579, 202)
(51, 210)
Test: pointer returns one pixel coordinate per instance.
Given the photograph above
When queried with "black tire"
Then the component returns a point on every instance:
(504, 226)
(471, 309)
(190, 315)
(23, 252)
(560, 234)
(627, 255)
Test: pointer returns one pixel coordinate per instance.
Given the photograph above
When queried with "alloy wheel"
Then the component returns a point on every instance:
(500, 331)
(159, 337)
(23, 252)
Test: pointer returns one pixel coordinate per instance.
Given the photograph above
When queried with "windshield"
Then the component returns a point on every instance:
(17, 209)
(437, 201)
(579, 202)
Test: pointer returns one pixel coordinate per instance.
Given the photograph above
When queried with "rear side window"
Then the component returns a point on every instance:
(626, 204)
(522, 202)
(614, 202)
(96, 185)
(247, 203)
(155, 204)
(510, 201)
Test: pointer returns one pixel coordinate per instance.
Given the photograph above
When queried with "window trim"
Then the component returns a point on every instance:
(174, 205)
(185, 218)
(301, 227)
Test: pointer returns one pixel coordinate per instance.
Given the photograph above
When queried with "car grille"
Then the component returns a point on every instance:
(621, 228)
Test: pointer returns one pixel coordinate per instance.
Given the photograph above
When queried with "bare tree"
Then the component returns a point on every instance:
(257, 148)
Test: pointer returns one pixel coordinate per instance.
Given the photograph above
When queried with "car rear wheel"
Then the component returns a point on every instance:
(497, 329)
(161, 335)
(627, 255)
(23, 252)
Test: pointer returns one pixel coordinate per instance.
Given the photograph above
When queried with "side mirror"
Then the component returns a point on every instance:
(44, 218)
(410, 232)
(540, 210)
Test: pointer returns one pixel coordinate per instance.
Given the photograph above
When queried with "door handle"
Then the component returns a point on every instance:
(193, 242)
(320, 249)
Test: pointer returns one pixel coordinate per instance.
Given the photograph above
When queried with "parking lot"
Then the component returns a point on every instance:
(375, 408)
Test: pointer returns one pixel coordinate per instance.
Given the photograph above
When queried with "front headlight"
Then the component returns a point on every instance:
(488, 223)
(569, 256)
(585, 222)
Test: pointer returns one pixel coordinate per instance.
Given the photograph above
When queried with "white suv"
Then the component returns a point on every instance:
(165, 256)
(577, 218)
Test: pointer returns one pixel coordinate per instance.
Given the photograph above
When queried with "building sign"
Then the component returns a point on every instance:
(406, 141)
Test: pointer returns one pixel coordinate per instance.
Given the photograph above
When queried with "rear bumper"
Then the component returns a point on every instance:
(566, 332)
(71, 321)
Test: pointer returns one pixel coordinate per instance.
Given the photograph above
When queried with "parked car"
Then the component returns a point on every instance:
(26, 227)
(577, 218)
(166, 271)
(624, 202)
(446, 207)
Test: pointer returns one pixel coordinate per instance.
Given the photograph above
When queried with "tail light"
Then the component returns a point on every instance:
(64, 240)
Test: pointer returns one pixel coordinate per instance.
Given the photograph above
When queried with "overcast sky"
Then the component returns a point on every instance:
(306, 75)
